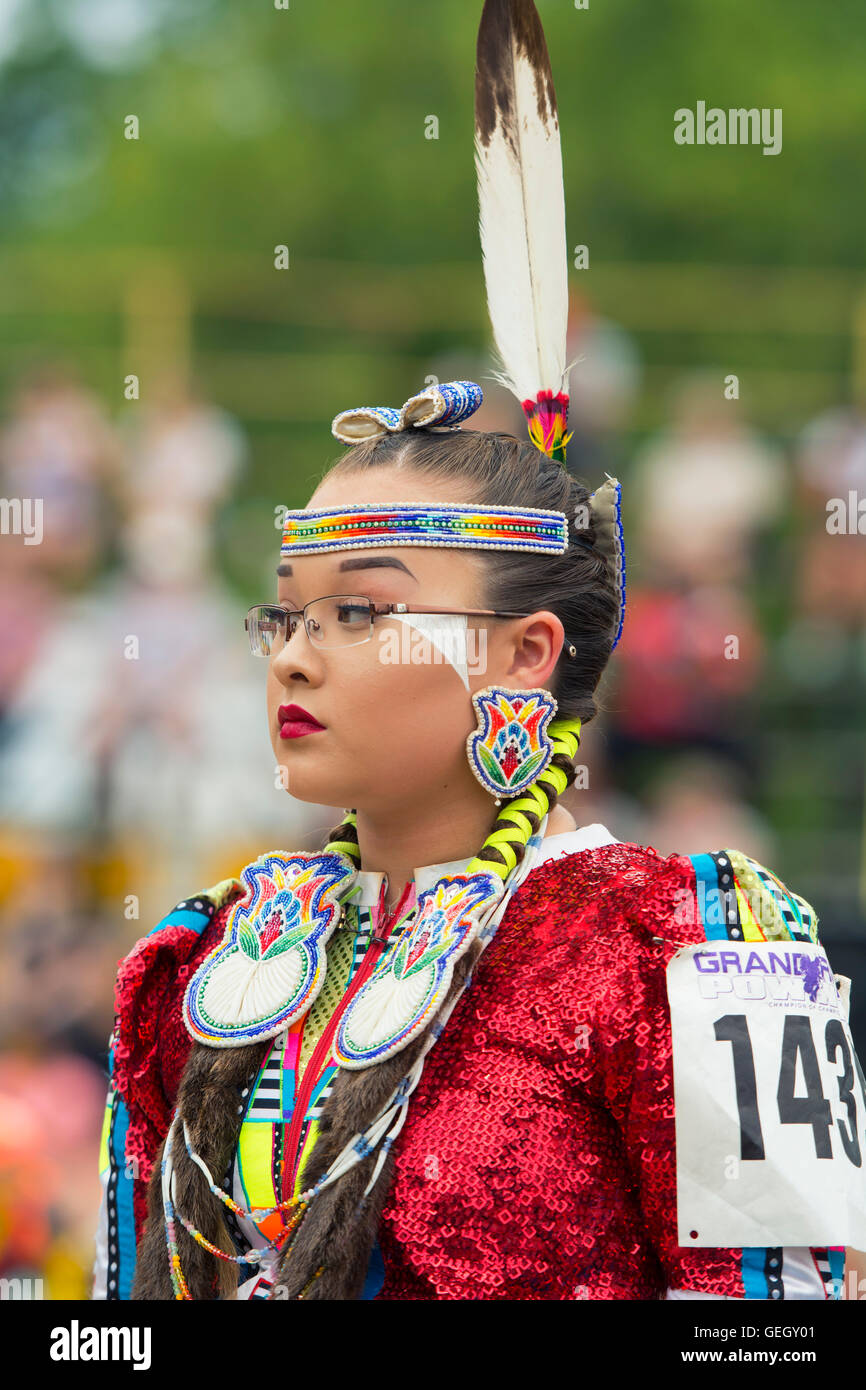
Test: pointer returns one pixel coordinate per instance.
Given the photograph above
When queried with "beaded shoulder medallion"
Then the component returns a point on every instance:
(411, 980)
(271, 963)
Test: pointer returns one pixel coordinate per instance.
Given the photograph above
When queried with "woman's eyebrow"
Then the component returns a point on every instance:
(360, 562)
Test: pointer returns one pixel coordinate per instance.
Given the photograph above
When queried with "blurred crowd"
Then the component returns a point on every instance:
(135, 765)
(735, 715)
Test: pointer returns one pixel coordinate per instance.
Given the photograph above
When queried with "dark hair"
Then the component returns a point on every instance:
(500, 470)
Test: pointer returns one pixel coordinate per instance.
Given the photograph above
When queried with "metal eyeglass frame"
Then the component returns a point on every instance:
(377, 610)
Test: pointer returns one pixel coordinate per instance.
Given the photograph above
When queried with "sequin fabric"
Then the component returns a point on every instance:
(538, 1156)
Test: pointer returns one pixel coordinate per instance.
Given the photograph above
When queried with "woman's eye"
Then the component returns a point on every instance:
(352, 613)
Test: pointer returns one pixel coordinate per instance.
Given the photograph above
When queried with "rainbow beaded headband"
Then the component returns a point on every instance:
(481, 528)
(405, 523)
(443, 407)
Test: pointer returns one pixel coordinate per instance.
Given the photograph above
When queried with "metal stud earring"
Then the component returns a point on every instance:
(510, 748)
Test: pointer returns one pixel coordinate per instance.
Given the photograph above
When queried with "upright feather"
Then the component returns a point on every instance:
(522, 213)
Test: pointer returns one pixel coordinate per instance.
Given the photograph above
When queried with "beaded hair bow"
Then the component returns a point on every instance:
(442, 407)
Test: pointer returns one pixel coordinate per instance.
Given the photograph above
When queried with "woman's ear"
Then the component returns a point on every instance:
(536, 644)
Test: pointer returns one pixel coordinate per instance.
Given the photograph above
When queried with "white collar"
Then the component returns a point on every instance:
(367, 883)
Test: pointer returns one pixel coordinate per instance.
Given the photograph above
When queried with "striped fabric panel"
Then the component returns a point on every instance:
(741, 900)
(265, 1102)
(716, 897)
(830, 1265)
(775, 912)
(120, 1214)
(194, 914)
(774, 1274)
(321, 1092)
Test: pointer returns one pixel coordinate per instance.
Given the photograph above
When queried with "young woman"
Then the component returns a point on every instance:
(436, 1059)
(537, 1158)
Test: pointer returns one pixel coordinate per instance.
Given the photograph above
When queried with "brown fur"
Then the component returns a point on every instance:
(209, 1099)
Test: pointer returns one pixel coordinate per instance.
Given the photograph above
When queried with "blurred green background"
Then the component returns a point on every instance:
(307, 127)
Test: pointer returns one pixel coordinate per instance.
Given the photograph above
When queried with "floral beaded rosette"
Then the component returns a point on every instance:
(411, 981)
(271, 963)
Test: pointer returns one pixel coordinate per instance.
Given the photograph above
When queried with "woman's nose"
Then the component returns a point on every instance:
(297, 654)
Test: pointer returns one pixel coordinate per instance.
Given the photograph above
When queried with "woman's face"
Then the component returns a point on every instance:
(395, 715)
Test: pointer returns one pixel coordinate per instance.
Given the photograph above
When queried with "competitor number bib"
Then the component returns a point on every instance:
(770, 1098)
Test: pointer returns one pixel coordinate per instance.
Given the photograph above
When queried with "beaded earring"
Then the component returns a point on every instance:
(511, 746)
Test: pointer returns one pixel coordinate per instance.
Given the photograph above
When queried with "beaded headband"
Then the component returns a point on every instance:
(481, 528)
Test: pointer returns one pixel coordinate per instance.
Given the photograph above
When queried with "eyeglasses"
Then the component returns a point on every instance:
(338, 620)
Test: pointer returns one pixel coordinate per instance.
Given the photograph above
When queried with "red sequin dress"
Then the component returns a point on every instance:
(537, 1160)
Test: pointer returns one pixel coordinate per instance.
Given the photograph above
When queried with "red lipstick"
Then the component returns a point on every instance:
(295, 722)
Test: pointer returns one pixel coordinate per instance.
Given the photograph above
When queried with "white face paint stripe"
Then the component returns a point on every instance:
(447, 632)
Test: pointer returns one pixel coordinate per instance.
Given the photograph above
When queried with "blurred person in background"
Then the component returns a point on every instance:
(705, 493)
(132, 721)
(183, 454)
(58, 445)
(57, 947)
(830, 576)
(705, 490)
(682, 814)
(105, 733)
(603, 389)
(819, 652)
